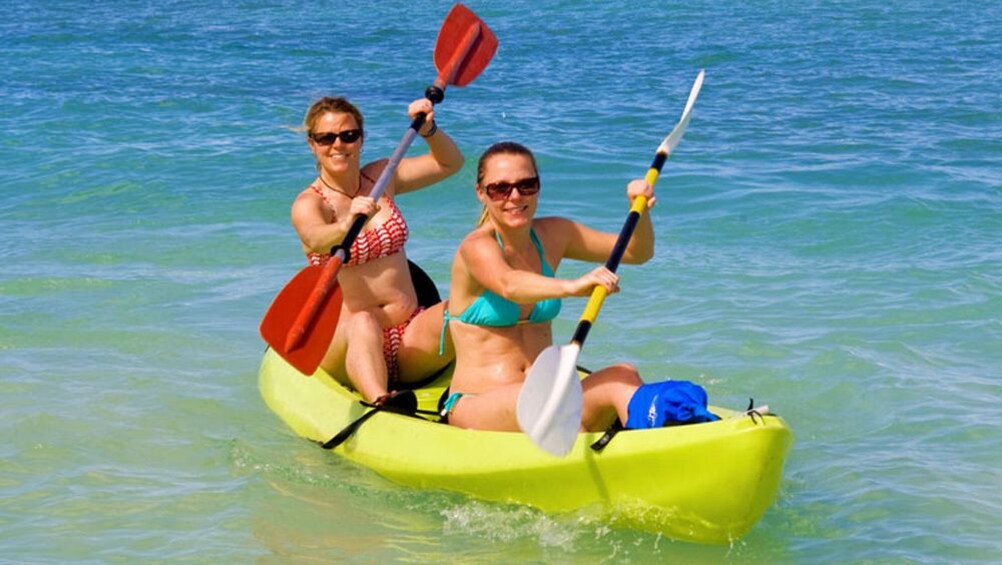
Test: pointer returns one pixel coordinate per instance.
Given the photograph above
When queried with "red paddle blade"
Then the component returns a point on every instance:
(284, 310)
(450, 44)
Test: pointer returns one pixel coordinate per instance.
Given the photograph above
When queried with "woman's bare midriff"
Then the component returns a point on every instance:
(488, 357)
(382, 286)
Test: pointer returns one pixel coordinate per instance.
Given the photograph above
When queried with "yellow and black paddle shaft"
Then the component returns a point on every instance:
(638, 207)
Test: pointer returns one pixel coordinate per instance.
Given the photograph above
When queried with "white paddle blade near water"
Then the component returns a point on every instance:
(551, 400)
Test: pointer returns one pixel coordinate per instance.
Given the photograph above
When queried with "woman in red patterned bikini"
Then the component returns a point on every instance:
(383, 337)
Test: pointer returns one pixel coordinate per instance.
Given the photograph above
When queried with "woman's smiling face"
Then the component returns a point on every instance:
(510, 171)
(340, 156)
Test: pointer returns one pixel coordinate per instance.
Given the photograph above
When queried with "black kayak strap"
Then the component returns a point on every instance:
(397, 402)
(603, 441)
(348, 430)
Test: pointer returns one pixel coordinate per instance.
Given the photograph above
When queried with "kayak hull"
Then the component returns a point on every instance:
(706, 482)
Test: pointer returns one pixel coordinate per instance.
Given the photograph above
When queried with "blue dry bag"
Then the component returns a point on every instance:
(666, 403)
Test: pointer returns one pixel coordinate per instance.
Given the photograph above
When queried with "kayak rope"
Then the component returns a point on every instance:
(751, 411)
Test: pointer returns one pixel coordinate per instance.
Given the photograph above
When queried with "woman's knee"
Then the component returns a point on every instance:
(365, 322)
(426, 341)
(624, 373)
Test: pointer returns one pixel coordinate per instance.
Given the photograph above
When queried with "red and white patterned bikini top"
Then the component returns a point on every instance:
(381, 241)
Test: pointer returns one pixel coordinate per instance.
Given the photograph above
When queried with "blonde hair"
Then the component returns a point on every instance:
(501, 148)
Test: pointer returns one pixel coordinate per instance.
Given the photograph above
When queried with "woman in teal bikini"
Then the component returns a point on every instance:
(504, 294)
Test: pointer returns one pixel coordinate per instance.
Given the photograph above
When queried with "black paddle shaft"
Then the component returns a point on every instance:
(631, 223)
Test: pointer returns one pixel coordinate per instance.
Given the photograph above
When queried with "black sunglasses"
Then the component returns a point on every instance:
(328, 138)
(502, 189)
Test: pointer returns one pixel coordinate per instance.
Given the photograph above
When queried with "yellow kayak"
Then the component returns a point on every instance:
(703, 482)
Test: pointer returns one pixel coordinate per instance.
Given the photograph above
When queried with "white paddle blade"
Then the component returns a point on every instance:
(675, 136)
(551, 400)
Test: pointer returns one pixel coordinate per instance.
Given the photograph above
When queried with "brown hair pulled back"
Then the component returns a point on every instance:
(330, 104)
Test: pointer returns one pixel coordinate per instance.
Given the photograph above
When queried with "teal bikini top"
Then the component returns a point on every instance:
(491, 309)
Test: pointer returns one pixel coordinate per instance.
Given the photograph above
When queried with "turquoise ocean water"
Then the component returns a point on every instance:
(828, 243)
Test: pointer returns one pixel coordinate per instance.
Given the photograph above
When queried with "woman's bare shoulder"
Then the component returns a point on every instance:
(307, 198)
(476, 238)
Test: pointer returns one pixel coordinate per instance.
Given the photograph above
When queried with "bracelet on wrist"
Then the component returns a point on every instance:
(432, 131)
